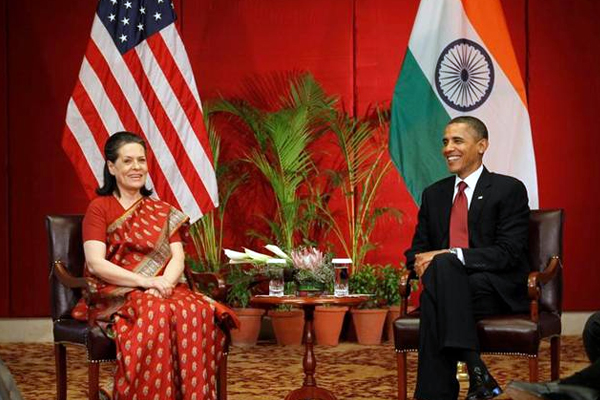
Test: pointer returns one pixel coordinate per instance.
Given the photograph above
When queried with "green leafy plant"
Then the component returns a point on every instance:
(240, 282)
(283, 132)
(388, 292)
(364, 281)
(359, 177)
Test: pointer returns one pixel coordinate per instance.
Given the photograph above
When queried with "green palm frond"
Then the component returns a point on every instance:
(284, 133)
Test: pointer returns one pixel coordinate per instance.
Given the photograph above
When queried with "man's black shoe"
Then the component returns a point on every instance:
(483, 385)
(550, 391)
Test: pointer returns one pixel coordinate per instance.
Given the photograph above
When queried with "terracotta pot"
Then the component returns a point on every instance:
(288, 326)
(369, 324)
(392, 315)
(328, 324)
(250, 319)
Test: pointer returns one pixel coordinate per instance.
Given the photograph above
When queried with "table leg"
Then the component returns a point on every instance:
(309, 389)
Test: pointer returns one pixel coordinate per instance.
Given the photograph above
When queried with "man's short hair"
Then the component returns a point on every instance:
(475, 124)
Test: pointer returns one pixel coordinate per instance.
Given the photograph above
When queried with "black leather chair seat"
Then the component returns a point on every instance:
(406, 333)
(510, 334)
(99, 347)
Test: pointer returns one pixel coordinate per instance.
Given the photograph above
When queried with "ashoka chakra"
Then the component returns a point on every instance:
(464, 75)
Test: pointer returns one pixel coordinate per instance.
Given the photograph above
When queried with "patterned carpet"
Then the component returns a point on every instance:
(268, 371)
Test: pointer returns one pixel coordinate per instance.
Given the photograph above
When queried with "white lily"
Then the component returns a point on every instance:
(277, 251)
(256, 256)
(237, 256)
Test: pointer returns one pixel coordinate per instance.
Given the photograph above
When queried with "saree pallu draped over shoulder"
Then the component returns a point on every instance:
(166, 348)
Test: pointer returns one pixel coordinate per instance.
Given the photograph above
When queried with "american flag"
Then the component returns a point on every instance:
(136, 76)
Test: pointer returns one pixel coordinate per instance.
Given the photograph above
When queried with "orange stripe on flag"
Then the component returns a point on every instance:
(487, 17)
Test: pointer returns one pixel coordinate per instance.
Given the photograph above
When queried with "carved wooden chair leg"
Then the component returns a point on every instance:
(93, 380)
(533, 369)
(401, 360)
(60, 359)
(555, 358)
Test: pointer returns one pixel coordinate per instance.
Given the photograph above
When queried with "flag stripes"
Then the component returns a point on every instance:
(148, 89)
(474, 34)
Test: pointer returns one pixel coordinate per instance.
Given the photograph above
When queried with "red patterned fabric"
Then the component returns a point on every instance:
(459, 221)
(166, 348)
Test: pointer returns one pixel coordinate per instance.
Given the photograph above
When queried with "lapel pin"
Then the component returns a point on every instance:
(480, 197)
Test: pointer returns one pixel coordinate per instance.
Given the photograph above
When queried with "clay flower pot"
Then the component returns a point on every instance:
(288, 326)
(247, 334)
(369, 324)
(328, 324)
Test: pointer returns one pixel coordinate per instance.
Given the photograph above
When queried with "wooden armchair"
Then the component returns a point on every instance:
(67, 260)
(517, 335)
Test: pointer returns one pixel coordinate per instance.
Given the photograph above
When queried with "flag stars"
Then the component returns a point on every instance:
(127, 4)
(142, 10)
(113, 2)
(111, 17)
(125, 21)
(161, 1)
(157, 16)
(123, 38)
(140, 27)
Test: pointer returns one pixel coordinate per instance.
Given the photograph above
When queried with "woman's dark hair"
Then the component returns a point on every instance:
(111, 153)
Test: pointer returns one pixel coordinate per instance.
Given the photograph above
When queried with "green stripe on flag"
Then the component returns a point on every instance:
(418, 122)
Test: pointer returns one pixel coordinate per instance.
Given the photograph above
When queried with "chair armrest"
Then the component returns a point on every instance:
(67, 279)
(534, 284)
(404, 286)
(212, 282)
(404, 289)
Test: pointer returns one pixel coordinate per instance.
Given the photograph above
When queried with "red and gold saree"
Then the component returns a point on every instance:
(166, 348)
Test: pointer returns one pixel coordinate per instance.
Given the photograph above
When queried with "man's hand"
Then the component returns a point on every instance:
(422, 260)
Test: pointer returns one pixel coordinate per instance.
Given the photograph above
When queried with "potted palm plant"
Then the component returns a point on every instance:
(283, 127)
(207, 232)
(363, 166)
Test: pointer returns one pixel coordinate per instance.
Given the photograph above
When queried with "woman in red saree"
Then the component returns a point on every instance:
(168, 346)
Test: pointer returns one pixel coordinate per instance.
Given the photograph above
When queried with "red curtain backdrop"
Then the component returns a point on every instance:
(564, 94)
(4, 266)
(353, 47)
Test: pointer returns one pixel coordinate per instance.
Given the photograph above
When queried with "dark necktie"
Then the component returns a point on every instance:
(459, 225)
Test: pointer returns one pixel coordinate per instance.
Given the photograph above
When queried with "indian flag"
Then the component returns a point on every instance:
(460, 61)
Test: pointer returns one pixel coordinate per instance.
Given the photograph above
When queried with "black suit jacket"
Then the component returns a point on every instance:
(498, 232)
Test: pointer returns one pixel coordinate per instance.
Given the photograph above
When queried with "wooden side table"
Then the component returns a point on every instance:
(309, 389)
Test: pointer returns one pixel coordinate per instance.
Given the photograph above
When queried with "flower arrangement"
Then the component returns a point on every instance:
(311, 266)
(312, 270)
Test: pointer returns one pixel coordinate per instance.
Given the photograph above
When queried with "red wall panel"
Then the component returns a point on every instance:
(230, 41)
(44, 55)
(564, 93)
(4, 260)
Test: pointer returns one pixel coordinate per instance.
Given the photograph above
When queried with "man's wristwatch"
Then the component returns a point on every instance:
(453, 250)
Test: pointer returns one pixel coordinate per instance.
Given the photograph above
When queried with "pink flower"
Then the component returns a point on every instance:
(307, 258)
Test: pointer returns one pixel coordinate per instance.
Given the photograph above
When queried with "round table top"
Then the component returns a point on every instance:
(350, 300)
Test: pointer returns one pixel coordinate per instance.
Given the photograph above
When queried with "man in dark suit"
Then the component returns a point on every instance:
(469, 249)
